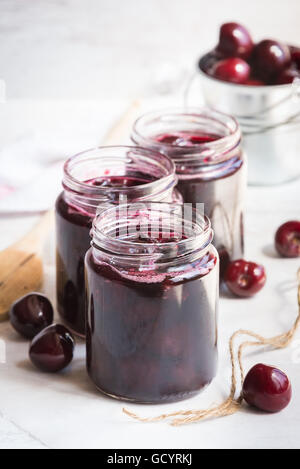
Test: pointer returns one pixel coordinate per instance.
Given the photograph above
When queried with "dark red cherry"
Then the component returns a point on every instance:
(267, 388)
(224, 260)
(245, 278)
(234, 70)
(31, 314)
(287, 76)
(235, 41)
(287, 239)
(270, 58)
(295, 54)
(52, 349)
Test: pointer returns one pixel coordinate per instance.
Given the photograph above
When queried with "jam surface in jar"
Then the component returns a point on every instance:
(185, 139)
(152, 334)
(120, 181)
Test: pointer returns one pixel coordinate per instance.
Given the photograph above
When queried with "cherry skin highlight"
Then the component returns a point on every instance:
(235, 41)
(233, 70)
(244, 278)
(52, 349)
(287, 239)
(270, 58)
(267, 388)
(31, 314)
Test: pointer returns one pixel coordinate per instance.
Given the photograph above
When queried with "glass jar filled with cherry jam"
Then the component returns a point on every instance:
(206, 148)
(152, 279)
(106, 175)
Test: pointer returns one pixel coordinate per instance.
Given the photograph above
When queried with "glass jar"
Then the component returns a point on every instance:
(100, 177)
(211, 167)
(152, 280)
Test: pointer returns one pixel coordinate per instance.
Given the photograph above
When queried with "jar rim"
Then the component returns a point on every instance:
(213, 151)
(112, 219)
(98, 189)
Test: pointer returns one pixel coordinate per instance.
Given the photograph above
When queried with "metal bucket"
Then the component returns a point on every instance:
(269, 117)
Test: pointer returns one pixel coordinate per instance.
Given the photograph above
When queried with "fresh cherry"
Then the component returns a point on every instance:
(287, 76)
(52, 349)
(245, 278)
(287, 239)
(31, 314)
(267, 388)
(270, 58)
(235, 41)
(224, 260)
(295, 54)
(234, 70)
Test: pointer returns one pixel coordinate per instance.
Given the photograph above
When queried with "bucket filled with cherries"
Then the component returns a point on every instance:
(259, 84)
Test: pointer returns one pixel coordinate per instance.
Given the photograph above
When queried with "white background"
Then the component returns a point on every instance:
(58, 52)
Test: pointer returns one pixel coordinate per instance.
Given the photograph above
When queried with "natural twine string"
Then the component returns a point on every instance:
(231, 404)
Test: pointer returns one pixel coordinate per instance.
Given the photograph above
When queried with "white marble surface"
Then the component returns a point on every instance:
(52, 51)
(65, 410)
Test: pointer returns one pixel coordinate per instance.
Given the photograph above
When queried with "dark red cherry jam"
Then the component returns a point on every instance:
(151, 329)
(74, 227)
(186, 139)
(209, 165)
(223, 198)
(92, 179)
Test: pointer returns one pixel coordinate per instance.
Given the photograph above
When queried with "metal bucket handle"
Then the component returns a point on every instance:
(257, 128)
